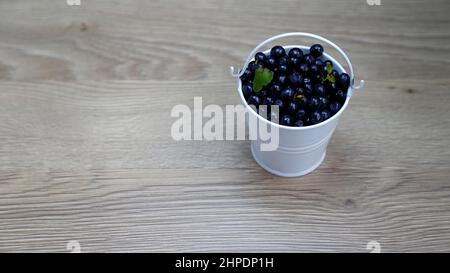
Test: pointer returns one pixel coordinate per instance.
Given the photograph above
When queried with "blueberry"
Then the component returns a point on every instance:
(275, 89)
(295, 52)
(303, 68)
(331, 87)
(281, 79)
(308, 89)
(325, 115)
(299, 123)
(316, 50)
(313, 103)
(344, 81)
(301, 114)
(299, 91)
(271, 62)
(295, 79)
(314, 69)
(277, 52)
(247, 90)
(262, 95)
(293, 62)
(253, 100)
(283, 60)
(269, 101)
(317, 78)
(319, 90)
(292, 107)
(308, 59)
(335, 107)
(280, 104)
(315, 118)
(318, 62)
(323, 103)
(248, 74)
(341, 96)
(307, 80)
(252, 66)
(287, 94)
(286, 120)
(282, 68)
(303, 102)
(260, 57)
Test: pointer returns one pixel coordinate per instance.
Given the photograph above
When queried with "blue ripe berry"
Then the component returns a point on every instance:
(269, 101)
(307, 80)
(292, 107)
(283, 60)
(331, 88)
(287, 94)
(301, 114)
(299, 91)
(303, 102)
(296, 53)
(252, 66)
(323, 102)
(316, 50)
(313, 103)
(277, 52)
(248, 74)
(281, 79)
(344, 81)
(280, 104)
(315, 118)
(260, 57)
(299, 123)
(319, 90)
(335, 107)
(295, 79)
(318, 62)
(271, 62)
(247, 90)
(325, 115)
(317, 78)
(308, 59)
(341, 96)
(327, 62)
(282, 68)
(286, 120)
(314, 69)
(303, 68)
(275, 89)
(308, 89)
(293, 62)
(253, 100)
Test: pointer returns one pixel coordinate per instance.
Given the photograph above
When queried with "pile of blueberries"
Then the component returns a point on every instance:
(305, 86)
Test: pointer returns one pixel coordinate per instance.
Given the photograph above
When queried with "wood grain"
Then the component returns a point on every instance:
(86, 152)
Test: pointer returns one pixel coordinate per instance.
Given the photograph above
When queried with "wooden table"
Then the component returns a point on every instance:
(86, 152)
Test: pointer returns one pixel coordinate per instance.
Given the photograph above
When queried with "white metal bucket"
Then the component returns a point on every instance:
(301, 149)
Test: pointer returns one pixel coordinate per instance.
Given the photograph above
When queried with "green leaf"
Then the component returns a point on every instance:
(263, 77)
(331, 78)
(329, 68)
(298, 97)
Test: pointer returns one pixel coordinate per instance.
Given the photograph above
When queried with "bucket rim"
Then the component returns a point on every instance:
(335, 116)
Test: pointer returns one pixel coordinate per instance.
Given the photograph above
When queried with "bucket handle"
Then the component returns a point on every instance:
(303, 34)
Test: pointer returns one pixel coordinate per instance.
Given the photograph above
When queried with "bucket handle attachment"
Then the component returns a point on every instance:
(237, 74)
